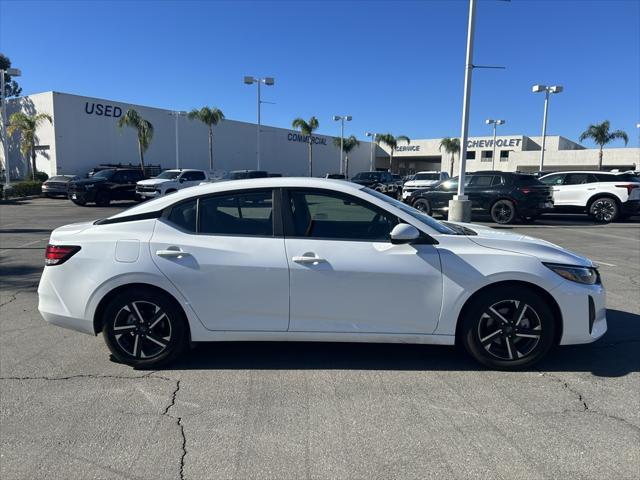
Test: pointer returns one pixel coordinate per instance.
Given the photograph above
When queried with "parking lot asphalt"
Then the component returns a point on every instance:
(290, 410)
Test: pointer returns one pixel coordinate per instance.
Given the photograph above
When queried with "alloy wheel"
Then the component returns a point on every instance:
(603, 210)
(510, 330)
(142, 329)
(502, 212)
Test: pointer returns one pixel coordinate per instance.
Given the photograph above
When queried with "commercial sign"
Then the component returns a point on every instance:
(298, 137)
(500, 142)
(102, 110)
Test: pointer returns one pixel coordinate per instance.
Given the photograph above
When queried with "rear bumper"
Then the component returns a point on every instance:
(54, 310)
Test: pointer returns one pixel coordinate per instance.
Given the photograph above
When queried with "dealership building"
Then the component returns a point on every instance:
(84, 134)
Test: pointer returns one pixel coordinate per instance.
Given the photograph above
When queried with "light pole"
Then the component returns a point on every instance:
(547, 91)
(495, 123)
(341, 119)
(175, 115)
(373, 146)
(460, 206)
(267, 81)
(14, 72)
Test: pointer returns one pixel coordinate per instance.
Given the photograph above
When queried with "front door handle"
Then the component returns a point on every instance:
(308, 258)
(172, 252)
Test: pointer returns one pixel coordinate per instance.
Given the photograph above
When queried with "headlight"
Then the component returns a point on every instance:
(584, 275)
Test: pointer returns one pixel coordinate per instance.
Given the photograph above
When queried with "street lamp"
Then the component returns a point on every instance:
(373, 146)
(13, 72)
(267, 81)
(175, 115)
(495, 123)
(547, 91)
(341, 119)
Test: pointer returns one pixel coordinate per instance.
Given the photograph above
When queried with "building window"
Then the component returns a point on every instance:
(486, 155)
(471, 155)
(504, 155)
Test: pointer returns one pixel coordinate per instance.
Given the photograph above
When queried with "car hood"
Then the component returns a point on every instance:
(419, 183)
(514, 242)
(154, 181)
(88, 181)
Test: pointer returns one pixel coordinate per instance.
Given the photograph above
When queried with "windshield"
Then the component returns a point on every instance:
(427, 176)
(426, 219)
(367, 176)
(169, 174)
(104, 174)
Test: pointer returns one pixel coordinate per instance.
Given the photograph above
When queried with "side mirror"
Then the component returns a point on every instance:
(404, 233)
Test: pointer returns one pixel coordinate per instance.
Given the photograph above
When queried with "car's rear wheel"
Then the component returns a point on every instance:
(102, 199)
(503, 212)
(423, 205)
(604, 210)
(144, 329)
(508, 328)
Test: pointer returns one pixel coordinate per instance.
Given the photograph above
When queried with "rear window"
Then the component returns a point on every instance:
(527, 180)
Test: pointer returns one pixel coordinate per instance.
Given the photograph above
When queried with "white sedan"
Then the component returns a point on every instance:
(298, 259)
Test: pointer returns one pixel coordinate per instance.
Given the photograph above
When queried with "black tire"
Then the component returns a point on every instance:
(503, 212)
(102, 199)
(525, 338)
(423, 205)
(80, 203)
(147, 320)
(604, 209)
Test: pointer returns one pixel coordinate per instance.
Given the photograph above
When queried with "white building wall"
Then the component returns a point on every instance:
(85, 134)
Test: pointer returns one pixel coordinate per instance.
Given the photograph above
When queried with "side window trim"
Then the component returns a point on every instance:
(288, 224)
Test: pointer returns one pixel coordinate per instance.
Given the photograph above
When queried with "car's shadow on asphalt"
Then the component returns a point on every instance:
(614, 355)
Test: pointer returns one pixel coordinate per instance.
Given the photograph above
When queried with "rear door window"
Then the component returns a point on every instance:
(481, 180)
(555, 179)
(237, 213)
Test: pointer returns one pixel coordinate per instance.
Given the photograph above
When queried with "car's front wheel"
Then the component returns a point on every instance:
(423, 205)
(144, 329)
(508, 328)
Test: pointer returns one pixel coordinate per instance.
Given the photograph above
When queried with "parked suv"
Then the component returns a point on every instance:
(605, 196)
(422, 180)
(105, 186)
(169, 181)
(506, 196)
(380, 181)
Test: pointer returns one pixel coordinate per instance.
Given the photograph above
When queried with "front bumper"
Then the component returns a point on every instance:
(581, 323)
(82, 195)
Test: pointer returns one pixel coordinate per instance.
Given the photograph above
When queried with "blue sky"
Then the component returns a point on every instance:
(394, 66)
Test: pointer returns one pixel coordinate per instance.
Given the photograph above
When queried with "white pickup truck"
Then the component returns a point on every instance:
(169, 181)
(606, 196)
(422, 180)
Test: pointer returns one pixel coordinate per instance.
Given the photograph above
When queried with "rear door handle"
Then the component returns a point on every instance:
(308, 258)
(172, 252)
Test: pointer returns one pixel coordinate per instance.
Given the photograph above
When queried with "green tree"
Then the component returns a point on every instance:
(348, 144)
(26, 126)
(451, 146)
(306, 129)
(11, 87)
(391, 142)
(210, 117)
(144, 130)
(601, 135)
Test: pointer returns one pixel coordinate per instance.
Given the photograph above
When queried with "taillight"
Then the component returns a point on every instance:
(57, 254)
(525, 190)
(629, 187)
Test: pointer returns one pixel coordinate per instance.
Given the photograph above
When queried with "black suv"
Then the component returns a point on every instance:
(380, 181)
(504, 195)
(106, 185)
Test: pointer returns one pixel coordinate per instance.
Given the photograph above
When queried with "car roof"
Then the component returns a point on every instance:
(231, 185)
(594, 172)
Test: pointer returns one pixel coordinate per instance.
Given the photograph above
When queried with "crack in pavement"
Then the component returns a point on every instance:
(568, 388)
(12, 298)
(180, 426)
(88, 375)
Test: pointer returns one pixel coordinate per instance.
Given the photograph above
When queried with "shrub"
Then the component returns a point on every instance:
(41, 177)
(25, 189)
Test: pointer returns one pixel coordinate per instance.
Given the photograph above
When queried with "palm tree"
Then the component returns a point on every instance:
(210, 117)
(348, 144)
(306, 129)
(601, 135)
(391, 142)
(27, 125)
(451, 146)
(144, 130)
